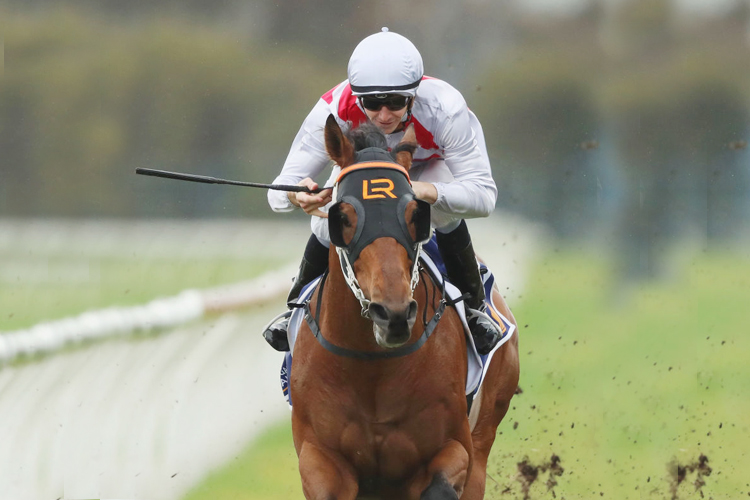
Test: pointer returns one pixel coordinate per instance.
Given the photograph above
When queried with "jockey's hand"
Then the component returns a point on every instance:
(310, 202)
(425, 191)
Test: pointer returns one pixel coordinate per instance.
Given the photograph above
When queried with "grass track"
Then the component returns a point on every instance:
(621, 386)
(267, 470)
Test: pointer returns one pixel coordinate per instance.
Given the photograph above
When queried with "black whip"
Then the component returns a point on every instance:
(213, 180)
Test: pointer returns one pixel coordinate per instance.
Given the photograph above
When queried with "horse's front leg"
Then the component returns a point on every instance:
(446, 474)
(325, 474)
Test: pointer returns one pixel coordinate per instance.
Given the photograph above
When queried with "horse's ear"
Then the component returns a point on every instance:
(404, 152)
(339, 148)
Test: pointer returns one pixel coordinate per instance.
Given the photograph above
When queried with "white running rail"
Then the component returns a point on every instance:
(166, 312)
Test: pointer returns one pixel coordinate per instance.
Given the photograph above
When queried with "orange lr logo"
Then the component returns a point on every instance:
(369, 191)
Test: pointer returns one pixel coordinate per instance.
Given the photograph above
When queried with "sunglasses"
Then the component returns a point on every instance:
(393, 102)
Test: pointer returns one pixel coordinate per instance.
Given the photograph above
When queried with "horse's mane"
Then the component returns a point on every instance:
(368, 135)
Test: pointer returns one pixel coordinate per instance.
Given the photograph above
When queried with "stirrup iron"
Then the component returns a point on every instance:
(276, 332)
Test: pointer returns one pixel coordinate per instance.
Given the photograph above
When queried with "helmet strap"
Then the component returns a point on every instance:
(407, 115)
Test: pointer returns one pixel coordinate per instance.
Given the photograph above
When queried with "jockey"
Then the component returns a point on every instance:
(451, 170)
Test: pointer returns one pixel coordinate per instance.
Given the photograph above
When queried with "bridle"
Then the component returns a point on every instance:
(386, 204)
(404, 350)
(386, 217)
(351, 279)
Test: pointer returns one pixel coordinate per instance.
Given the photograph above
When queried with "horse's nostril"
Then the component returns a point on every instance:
(393, 328)
(388, 318)
(412, 314)
(378, 313)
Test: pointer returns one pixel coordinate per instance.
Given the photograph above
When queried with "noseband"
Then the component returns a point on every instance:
(404, 350)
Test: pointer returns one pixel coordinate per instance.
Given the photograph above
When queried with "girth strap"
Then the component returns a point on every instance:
(405, 350)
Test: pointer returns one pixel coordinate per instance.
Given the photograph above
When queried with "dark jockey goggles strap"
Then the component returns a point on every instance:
(361, 89)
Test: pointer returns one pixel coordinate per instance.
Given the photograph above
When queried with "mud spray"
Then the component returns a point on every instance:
(529, 473)
(679, 474)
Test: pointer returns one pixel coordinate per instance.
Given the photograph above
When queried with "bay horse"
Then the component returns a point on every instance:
(379, 404)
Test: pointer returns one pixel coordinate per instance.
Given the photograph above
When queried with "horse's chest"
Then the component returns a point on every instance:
(388, 423)
(383, 450)
(393, 442)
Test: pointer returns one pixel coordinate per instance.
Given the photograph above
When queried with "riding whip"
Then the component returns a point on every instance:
(213, 180)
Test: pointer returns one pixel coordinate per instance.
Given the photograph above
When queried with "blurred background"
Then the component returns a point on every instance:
(617, 121)
(618, 129)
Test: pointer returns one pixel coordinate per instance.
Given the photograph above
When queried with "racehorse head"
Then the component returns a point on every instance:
(378, 226)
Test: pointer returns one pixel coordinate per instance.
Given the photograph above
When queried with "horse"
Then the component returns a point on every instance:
(379, 401)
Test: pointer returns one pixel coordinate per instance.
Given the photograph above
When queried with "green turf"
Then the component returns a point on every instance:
(266, 470)
(71, 285)
(622, 385)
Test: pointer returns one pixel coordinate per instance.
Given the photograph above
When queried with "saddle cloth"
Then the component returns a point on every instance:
(477, 364)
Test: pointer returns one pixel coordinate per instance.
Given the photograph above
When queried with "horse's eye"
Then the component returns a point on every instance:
(341, 223)
(420, 218)
(415, 216)
(343, 219)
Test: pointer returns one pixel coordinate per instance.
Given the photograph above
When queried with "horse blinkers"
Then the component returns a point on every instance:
(339, 221)
(421, 219)
(378, 218)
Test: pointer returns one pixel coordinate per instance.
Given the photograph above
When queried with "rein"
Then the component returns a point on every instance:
(405, 350)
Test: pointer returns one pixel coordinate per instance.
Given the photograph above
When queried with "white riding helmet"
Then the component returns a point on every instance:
(385, 63)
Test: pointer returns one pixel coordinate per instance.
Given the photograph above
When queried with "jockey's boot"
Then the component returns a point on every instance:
(314, 263)
(463, 271)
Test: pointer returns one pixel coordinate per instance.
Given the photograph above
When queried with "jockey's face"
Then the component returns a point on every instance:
(386, 118)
